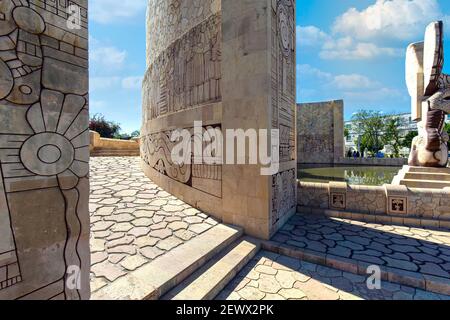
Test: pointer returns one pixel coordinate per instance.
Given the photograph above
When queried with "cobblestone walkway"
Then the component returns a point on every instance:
(133, 221)
(410, 249)
(273, 277)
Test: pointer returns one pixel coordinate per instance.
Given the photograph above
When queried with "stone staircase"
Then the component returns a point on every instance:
(115, 153)
(198, 269)
(207, 282)
(419, 177)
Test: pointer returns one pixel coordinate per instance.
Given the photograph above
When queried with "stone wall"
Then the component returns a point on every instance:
(99, 146)
(44, 151)
(189, 43)
(320, 129)
(388, 200)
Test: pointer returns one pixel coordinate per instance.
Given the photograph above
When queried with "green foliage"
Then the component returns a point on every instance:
(407, 140)
(135, 134)
(106, 129)
(346, 133)
(369, 125)
(392, 135)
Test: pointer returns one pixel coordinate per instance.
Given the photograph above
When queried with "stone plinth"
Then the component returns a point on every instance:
(423, 177)
(240, 74)
(320, 132)
(44, 150)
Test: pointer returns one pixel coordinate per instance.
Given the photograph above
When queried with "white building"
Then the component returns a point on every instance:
(407, 125)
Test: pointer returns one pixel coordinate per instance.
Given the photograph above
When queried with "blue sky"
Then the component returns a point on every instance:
(346, 49)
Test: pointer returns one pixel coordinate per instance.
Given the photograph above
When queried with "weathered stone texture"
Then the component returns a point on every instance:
(188, 42)
(320, 132)
(44, 151)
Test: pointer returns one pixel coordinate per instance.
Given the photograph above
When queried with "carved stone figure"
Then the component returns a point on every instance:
(430, 92)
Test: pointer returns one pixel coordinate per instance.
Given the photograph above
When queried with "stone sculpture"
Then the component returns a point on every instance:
(430, 92)
(44, 151)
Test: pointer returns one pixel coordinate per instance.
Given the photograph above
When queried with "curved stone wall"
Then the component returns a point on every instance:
(230, 65)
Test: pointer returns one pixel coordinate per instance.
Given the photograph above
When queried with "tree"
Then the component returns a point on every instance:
(135, 134)
(392, 135)
(369, 125)
(106, 129)
(346, 133)
(407, 140)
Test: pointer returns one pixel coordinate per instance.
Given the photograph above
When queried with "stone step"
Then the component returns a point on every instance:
(427, 176)
(207, 282)
(155, 279)
(427, 184)
(427, 170)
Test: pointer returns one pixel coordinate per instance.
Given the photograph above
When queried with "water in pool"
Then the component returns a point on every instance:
(363, 175)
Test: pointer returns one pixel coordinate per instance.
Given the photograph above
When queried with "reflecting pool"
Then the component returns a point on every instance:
(361, 175)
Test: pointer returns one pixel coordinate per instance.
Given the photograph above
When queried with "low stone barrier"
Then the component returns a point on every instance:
(103, 147)
(385, 162)
(386, 204)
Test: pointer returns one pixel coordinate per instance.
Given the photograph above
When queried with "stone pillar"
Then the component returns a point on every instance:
(259, 93)
(44, 150)
(240, 74)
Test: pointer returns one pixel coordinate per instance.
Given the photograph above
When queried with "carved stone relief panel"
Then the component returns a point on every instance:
(156, 152)
(44, 151)
(188, 73)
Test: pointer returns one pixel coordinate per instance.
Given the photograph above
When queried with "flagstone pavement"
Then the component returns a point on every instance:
(134, 222)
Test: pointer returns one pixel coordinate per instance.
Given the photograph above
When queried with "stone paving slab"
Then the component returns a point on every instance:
(133, 221)
(271, 276)
(413, 256)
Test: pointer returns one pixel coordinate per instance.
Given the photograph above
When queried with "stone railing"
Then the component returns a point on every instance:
(386, 204)
(112, 147)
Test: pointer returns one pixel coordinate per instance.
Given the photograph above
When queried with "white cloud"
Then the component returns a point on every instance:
(108, 56)
(310, 36)
(354, 87)
(348, 49)
(353, 81)
(111, 11)
(96, 104)
(102, 83)
(306, 69)
(132, 82)
(389, 19)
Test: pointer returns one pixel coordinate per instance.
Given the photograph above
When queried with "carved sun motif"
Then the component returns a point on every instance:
(284, 29)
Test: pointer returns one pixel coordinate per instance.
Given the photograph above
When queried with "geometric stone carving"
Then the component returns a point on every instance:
(338, 200)
(44, 151)
(398, 205)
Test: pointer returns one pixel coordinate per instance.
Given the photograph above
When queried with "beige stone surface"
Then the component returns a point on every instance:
(300, 280)
(251, 92)
(44, 152)
(129, 234)
(320, 132)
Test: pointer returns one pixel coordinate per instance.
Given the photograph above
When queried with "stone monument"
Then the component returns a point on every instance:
(430, 91)
(320, 127)
(229, 65)
(44, 150)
